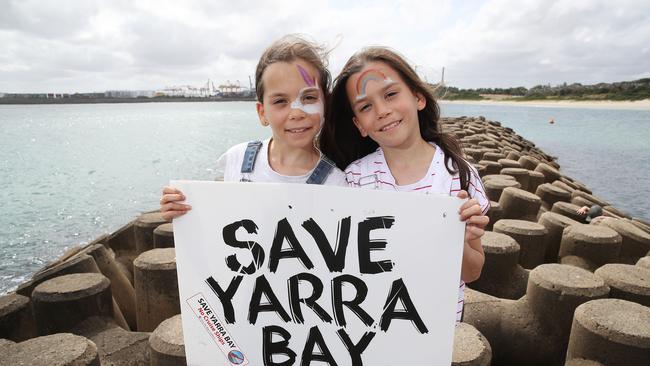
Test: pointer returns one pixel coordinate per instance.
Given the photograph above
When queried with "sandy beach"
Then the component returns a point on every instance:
(635, 105)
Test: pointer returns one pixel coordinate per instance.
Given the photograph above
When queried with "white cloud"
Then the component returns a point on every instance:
(76, 45)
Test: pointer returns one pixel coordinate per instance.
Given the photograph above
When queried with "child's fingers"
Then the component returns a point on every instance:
(167, 198)
(468, 203)
(171, 190)
(174, 207)
(470, 211)
(169, 215)
(462, 194)
(473, 232)
(478, 220)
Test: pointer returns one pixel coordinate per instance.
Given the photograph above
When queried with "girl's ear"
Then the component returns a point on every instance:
(362, 131)
(260, 113)
(421, 101)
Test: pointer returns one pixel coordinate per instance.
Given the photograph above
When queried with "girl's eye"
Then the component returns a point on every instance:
(391, 94)
(364, 108)
(310, 98)
(279, 101)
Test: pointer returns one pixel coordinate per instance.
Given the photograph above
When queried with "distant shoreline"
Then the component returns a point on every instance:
(14, 101)
(605, 104)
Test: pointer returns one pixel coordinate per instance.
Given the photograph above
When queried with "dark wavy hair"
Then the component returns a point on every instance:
(340, 139)
(288, 49)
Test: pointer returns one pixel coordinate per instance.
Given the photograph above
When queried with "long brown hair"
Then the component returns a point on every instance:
(288, 49)
(340, 139)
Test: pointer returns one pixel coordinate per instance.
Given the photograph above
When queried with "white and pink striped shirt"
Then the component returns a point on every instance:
(372, 172)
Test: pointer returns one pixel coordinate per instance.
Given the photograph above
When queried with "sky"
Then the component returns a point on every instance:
(87, 45)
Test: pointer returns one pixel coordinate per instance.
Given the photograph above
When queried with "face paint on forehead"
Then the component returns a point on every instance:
(306, 77)
(368, 75)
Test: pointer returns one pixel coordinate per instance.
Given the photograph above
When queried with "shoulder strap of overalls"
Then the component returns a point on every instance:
(323, 169)
(250, 156)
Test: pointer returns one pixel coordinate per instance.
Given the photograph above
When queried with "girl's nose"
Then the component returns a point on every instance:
(296, 113)
(383, 110)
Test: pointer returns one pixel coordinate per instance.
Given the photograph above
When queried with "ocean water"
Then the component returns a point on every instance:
(70, 173)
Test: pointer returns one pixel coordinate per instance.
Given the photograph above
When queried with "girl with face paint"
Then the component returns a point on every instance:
(292, 86)
(382, 127)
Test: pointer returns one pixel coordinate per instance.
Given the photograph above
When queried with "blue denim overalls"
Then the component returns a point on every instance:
(318, 176)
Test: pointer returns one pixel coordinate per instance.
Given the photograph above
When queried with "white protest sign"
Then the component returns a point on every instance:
(297, 274)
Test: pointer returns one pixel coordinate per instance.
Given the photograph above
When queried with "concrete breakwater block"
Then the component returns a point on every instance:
(534, 330)
(519, 204)
(562, 185)
(116, 346)
(513, 155)
(167, 343)
(644, 262)
(611, 331)
(528, 162)
(535, 179)
(569, 210)
(79, 264)
(121, 287)
(163, 236)
(520, 175)
(491, 167)
(550, 173)
(16, 319)
(582, 362)
(494, 213)
(549, 194)
(62, 349)
(502, 276)
(613, 211)
(509, 163)
(494, 187)
(497, 176)
(635, 242)
(589, 246)
(555, 225)
(627, 282)
(529, 236)
(471, 348)
(156, 288)
(589, 197)
(493, 156)
(476, 154)
(641, 224)
(63, 302)
(144, 227)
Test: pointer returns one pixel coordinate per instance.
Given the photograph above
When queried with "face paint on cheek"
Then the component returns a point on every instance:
(370, 75)
(311, 108)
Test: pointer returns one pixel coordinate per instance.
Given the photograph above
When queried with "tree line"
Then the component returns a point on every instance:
(623, 90)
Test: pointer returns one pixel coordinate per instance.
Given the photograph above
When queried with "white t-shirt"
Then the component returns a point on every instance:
(229, 168)
(372, 172)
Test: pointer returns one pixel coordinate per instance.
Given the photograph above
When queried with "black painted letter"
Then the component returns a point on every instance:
(361, 291)
(256, 306)
(270, 348)
(226, 296)
(295, 299)
(284, 231)
(335, 259)
(366, 245)
(399, 292)
(256, 250)
(316, 338)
